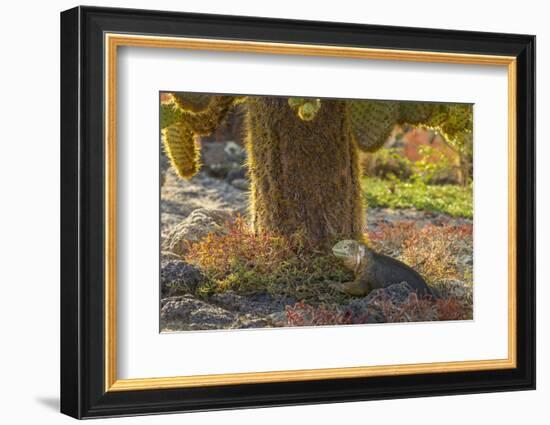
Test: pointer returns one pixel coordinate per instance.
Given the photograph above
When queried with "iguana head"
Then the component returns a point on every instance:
(351, 252)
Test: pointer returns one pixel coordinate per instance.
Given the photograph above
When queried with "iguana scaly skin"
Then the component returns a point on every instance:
(373, 270)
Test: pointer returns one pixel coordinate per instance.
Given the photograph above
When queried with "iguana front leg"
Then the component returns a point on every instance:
(355, 288)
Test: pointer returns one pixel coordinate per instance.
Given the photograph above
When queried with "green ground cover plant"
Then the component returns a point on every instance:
(454, 200)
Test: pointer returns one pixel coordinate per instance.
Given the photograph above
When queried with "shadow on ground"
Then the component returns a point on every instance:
(49, 402)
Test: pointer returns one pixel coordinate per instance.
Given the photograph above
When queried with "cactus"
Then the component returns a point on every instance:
(182, 149)
(169, 114)
(302, 154)
(191, 101)
(180, 128)
(306, 109)
(372, 122)
(455, 123)
(417, 112)
(304, 173)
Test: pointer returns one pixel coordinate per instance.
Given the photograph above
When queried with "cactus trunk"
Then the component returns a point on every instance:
(305, 174)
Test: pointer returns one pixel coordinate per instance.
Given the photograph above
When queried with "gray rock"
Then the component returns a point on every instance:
(397, 293)
(221, 158)
(178, 277)
(240, 173)
(189, 313)
(242, 184)
(248, 321)
(179, 198)
(164, 166)
(278, 318)
(213, 153)
(376, 216)
(361, 311)
(369, 308)
(221, 170)
(234, 152)
(196, 226)
(262, 304)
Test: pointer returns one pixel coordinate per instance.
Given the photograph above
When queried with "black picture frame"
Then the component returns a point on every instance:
(83, 392)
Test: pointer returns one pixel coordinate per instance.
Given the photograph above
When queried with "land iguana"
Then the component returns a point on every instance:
(373, 270)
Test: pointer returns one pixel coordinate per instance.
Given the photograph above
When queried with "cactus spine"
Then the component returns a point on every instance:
(304, 173)
(182, 149)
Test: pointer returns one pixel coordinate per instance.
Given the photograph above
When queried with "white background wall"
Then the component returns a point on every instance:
(29, 212)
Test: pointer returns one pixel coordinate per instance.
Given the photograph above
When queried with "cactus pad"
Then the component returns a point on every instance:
(305, 108)
(206, 121)
(182, 149)
(191, 101)
(185, 118)
(169, 114)
(458, 120)
(372, 122)
(416, 112)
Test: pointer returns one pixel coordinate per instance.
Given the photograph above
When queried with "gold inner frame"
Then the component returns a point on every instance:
(113, 41)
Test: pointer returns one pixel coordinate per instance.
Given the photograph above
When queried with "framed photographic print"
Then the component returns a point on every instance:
(261, 212)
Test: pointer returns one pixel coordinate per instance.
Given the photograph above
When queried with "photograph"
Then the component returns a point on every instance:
(262, 211)
(299, 211)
